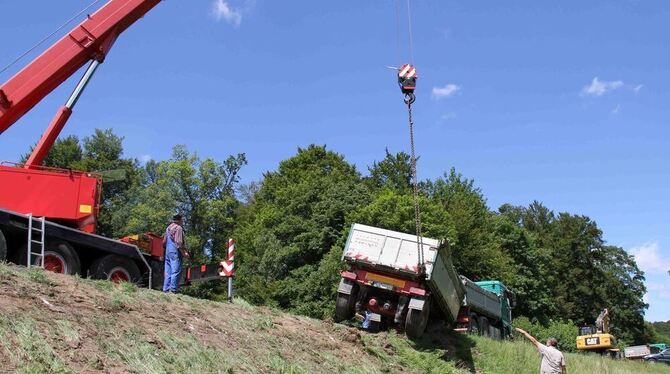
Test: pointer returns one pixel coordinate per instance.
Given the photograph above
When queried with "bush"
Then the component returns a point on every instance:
(564, 332)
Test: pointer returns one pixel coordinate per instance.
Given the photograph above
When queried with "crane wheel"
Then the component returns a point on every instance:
(416, 321)
(3, 247)
(116, 269)
(61, 258)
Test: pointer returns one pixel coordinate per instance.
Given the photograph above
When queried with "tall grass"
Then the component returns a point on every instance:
(521, 357)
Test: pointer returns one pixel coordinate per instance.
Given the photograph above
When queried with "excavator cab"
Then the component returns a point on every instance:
(587, 330)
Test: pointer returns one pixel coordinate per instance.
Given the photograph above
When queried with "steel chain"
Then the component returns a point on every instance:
(415, 182)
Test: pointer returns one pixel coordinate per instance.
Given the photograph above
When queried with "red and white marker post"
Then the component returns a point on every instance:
(230, 268)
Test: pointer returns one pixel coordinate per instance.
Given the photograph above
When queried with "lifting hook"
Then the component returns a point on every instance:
(407, 81)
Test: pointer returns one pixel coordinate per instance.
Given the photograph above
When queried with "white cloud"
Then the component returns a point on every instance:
(599, 88)
(650, 259)
(222, 10)
(445, 92)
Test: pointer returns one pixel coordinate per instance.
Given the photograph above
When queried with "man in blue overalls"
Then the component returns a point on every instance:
(174, 249)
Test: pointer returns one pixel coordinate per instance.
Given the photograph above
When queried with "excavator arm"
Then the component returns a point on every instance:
(90, 41)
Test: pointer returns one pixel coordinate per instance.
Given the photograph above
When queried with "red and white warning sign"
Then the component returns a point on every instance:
(407, 71)
(228, 266)
(227, 269)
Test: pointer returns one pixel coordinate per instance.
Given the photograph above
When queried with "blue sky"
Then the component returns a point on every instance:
(563, 102)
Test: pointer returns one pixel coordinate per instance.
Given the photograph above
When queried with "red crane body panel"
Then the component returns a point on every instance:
(69, 197)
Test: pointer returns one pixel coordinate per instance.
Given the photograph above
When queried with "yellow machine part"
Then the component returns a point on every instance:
(595, 342)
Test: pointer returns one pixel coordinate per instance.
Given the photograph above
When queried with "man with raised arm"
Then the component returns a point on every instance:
(553, 361)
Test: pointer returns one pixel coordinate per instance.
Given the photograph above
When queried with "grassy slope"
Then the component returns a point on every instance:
(59, 324)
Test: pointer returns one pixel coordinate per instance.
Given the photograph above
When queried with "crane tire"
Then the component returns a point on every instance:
(115, 268)
(60, 257)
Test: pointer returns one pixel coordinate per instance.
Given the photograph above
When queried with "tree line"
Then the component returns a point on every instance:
(291, 225)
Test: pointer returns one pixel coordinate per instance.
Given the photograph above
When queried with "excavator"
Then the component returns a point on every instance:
(598, 338)
(49, 216)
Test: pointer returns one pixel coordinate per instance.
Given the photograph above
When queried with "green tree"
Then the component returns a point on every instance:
(393, 210)
(475, 252)
(527, 277)
(623, 290)
(201, 190)
(393, 172)
(290, 236)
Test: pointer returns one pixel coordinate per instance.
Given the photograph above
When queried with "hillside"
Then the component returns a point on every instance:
(59, 324)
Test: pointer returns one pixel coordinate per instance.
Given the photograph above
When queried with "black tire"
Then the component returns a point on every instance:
(484, 327)
(344, 308)
(61, 254)
(3, 247)
(494, 332)
(473, 324)
(63, 251)
(416, 321)
(115, 268)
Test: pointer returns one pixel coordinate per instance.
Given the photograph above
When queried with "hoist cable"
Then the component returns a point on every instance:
(411, 39)
(415, 185)
(24, 54)
(397, 31)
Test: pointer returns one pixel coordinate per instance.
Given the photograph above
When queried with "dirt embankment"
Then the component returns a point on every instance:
(55, 323)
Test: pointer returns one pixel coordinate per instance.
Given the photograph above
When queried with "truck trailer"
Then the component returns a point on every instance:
(385, 283)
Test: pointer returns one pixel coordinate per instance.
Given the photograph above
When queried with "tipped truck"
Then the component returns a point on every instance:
(386, 284)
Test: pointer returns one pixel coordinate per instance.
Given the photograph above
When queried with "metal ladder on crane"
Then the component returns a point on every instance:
(40, 230)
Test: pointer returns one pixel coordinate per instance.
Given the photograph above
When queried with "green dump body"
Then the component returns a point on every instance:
(506, 297)
(660, 346)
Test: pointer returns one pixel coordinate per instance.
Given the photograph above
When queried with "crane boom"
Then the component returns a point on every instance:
(88, 41)
(64, 196)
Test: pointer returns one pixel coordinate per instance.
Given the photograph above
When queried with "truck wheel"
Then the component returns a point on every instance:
(416, 321)
(473, 325)
(3, 247)
(484, 327)
(116, 269)
(494, 332)
(61, 258)
(344, 306)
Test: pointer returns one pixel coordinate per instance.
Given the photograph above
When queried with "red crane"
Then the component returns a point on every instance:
(67, 201)
(68, 197)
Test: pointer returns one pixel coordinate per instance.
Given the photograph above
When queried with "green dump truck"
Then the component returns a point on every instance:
(487, 309)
